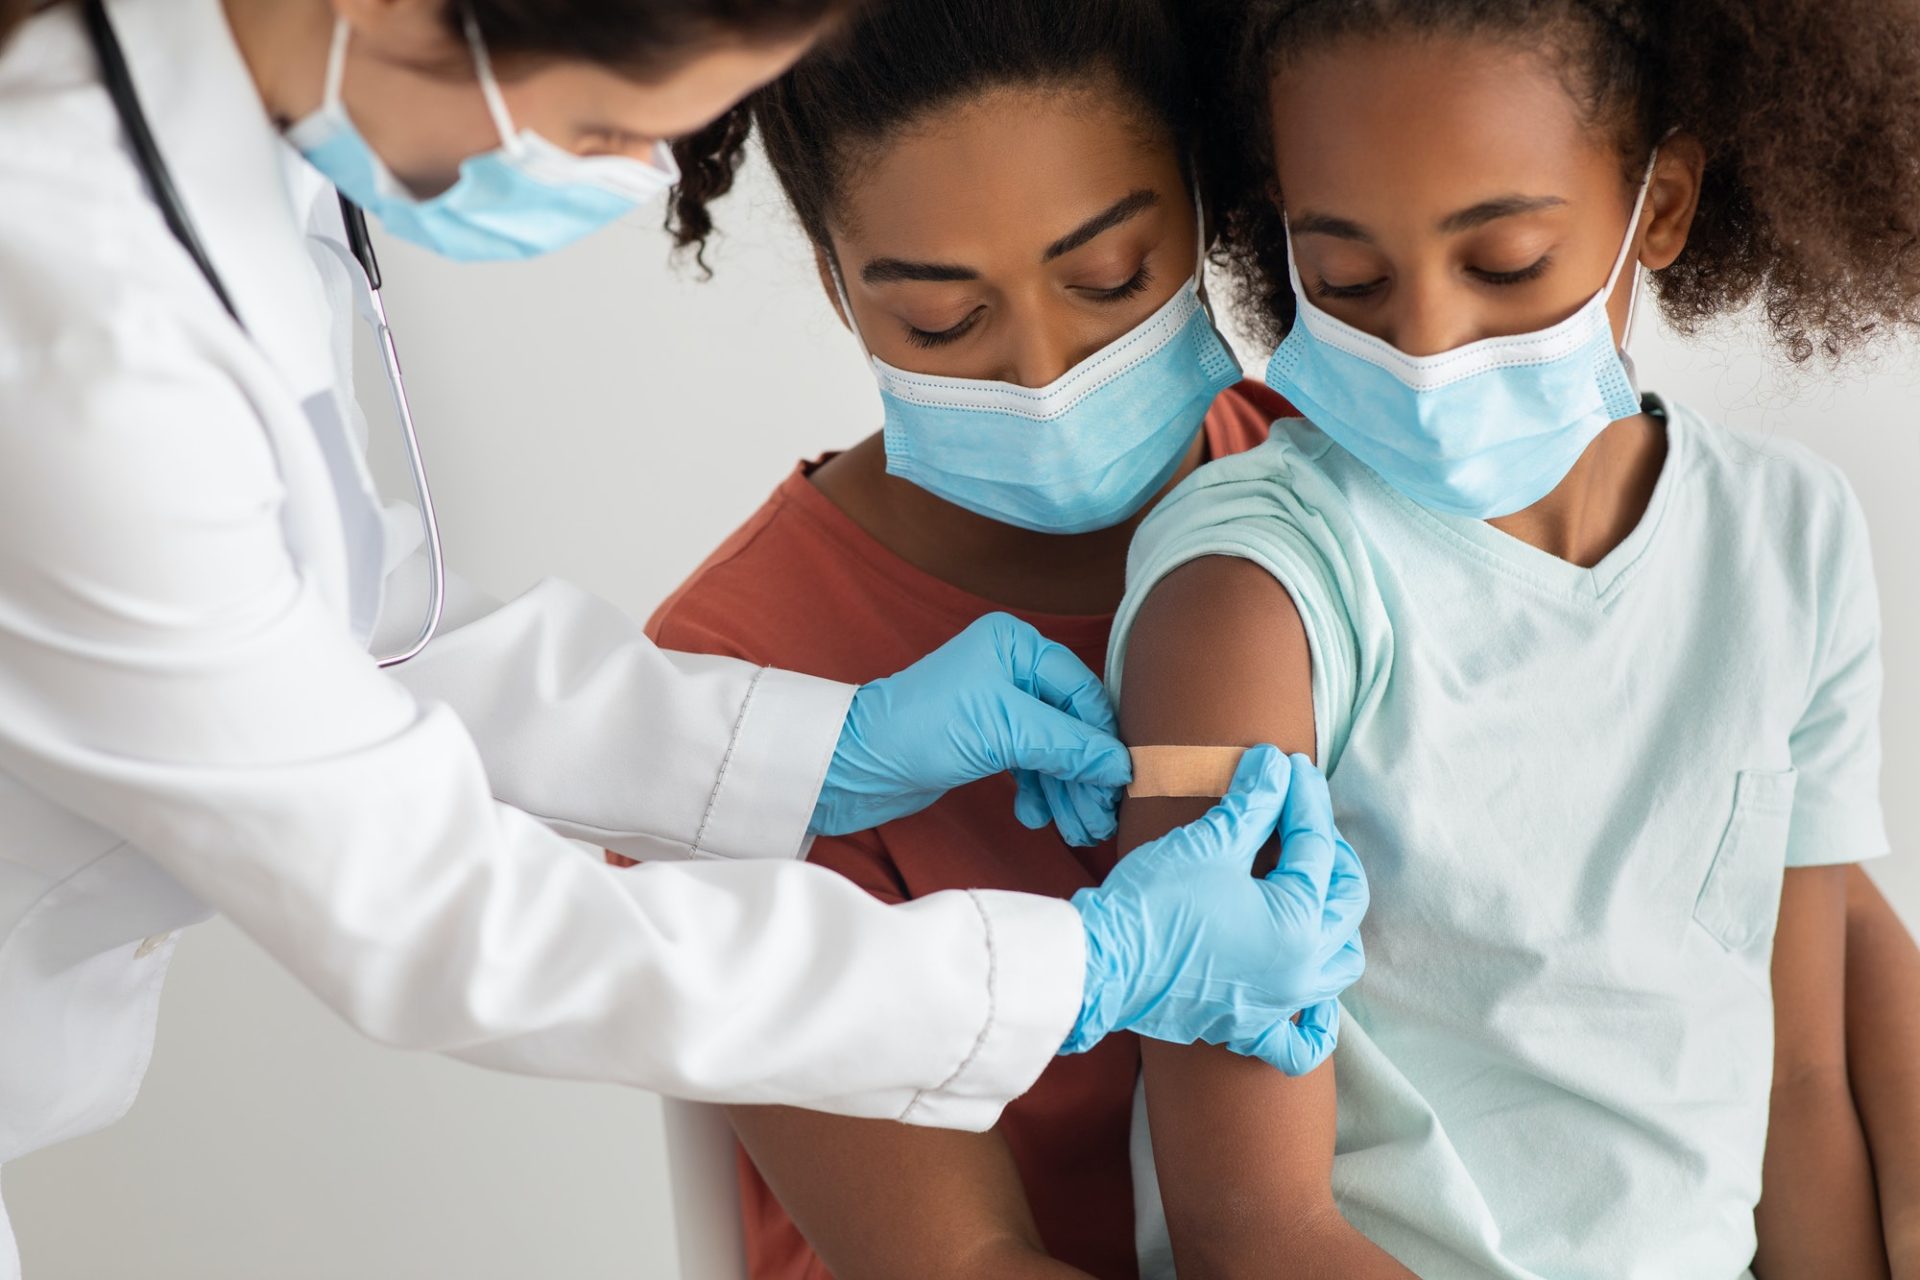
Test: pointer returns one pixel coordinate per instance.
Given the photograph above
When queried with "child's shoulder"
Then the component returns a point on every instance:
(1762, 485)
(1286, 478)
(1282, 505)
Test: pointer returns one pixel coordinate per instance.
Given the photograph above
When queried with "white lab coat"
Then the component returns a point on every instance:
(191, 565)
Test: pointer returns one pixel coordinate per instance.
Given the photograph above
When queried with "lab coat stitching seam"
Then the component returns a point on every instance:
(35, 907)
(979, 1041)
(720, 777)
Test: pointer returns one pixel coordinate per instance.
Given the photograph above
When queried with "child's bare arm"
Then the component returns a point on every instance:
(882, 1200)
(1818, 1217)
(1883, 1060)
(1218, 657)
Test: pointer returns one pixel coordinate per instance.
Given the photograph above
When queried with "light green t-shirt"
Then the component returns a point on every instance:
(1575, 792)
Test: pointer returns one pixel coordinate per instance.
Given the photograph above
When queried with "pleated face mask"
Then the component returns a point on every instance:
(524, 198)
(1481, 431)
(1084, 452)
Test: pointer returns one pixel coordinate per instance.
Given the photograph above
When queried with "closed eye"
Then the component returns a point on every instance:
(925, 338)
(1532, 271)
(1327, 289)
(1127, 289)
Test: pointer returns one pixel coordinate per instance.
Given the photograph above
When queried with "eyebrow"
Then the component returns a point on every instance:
(1479, 215)
(1492, 210)
(891, 270)
(1128, 206)
(888, 270)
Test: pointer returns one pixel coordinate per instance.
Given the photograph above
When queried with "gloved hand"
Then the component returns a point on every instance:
(998, 696)
(1184, 944)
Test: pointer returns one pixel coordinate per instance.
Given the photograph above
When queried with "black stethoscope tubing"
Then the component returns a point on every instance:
(153, 167)
(118, 80)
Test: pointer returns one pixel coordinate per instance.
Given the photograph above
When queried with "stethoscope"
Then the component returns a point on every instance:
(126, 104)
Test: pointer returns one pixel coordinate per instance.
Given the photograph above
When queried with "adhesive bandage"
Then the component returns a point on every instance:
(1183, 771)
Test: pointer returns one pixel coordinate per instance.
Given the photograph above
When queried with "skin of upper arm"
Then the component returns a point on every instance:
(1219, 657)
(1818, 1216)
(879, 1199)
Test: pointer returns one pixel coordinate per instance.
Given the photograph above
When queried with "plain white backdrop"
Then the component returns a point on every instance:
(604, 417)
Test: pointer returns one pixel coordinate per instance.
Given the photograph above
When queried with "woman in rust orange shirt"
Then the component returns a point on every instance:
(997, 192)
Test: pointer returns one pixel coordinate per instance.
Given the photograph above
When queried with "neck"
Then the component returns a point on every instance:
(1081, 573)
(1593, 510)
(284, 45)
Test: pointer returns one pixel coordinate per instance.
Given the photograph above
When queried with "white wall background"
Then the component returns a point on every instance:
(605, 418)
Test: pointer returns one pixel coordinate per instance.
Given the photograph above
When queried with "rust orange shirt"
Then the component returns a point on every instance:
(801, 586)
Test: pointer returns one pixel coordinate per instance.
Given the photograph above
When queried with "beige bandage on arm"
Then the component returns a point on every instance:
(1183, 771)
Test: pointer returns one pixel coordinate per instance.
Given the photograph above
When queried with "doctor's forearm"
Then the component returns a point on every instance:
(1883, 1059)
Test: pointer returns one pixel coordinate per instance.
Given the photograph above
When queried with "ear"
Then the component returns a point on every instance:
(824, 265)
(1673, 196)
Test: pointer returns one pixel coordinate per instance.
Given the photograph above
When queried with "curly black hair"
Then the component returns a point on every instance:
(898, 61)
(1808, 111)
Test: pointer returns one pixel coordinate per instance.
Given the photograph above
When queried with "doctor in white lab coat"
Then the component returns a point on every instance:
(193, 563)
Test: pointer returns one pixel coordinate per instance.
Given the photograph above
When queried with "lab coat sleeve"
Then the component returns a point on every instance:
(585, 723)
(169, 670)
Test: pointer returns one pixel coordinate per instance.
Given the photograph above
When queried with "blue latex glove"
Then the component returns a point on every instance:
(1184, 944)
(998, 696)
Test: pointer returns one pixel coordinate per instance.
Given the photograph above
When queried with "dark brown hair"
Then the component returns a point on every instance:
(1809, 112)
(900, 60)
(636, 37)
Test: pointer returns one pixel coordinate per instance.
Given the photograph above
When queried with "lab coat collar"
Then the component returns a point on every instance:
(226, 157)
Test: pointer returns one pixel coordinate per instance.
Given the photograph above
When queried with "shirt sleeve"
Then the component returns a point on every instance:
(584, 722)
(1835, 746)
(169, 670)
(1270, 507)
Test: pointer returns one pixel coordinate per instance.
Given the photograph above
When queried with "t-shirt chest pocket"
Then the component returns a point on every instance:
(1740, 900)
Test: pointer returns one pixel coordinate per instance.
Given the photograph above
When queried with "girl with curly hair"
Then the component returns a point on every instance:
(1595, 681)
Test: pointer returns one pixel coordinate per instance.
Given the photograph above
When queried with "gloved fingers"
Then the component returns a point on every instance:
(1085, 815)
(1344, 968)
(1307, 836)
(1045, 740)
(1348, 897)
(1055, 676)
(1299, 1047)
(1235, 828)
(1029, 802)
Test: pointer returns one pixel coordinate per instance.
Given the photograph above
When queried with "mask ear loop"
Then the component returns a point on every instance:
(1633, 231)
(846, 304)
(336, 68)
(489, 86)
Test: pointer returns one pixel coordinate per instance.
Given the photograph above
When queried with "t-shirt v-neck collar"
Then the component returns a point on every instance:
(1599, 585)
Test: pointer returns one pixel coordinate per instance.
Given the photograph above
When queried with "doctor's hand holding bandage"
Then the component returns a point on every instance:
(1185, 945)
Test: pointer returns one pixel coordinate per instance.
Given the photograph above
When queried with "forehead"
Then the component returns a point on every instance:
(1429, 121)
(676, 101)
(1013, 166)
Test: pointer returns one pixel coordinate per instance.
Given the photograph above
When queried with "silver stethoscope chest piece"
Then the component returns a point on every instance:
(146, 153)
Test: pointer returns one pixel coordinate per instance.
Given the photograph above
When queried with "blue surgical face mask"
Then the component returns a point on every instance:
(1481, 431)
(523, 199)
(1084, 452)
